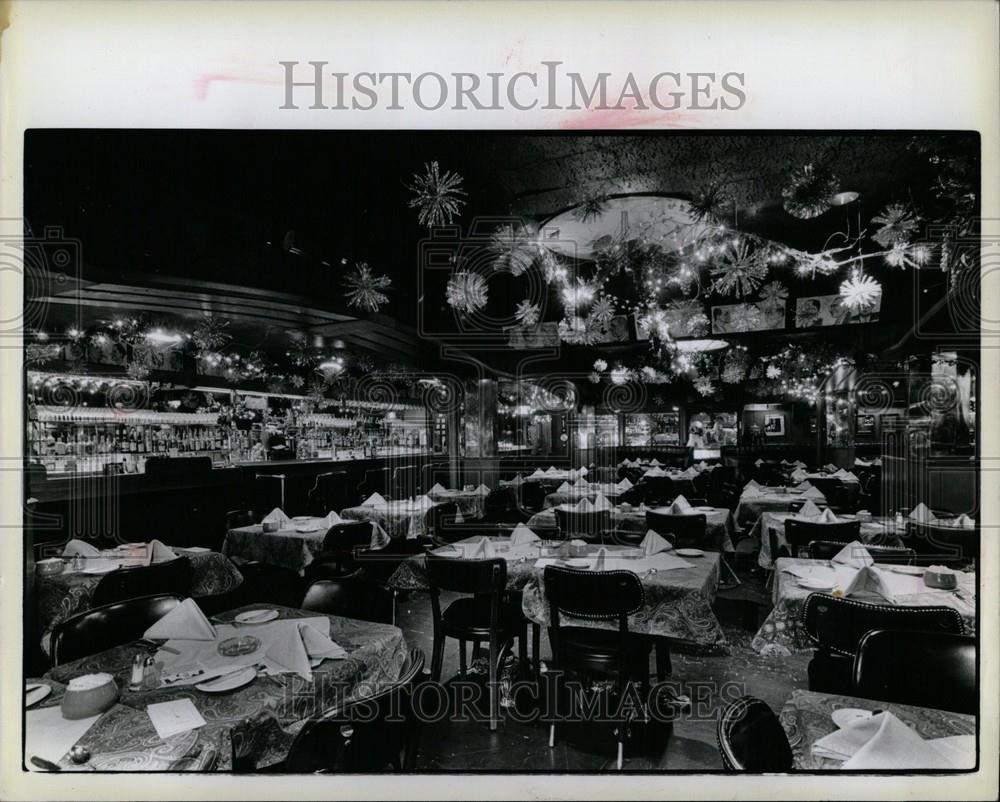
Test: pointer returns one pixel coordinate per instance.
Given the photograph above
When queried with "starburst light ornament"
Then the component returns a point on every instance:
(436, 196)
(365, 289)
(740, 272)
(467, 291)
(860, 293)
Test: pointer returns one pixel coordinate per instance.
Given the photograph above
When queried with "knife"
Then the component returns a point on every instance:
(42, 763)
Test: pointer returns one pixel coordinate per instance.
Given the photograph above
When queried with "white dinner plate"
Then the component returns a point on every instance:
(815, 584)
(229, 682)
(912, 570)
(302, 518)
(689, 552)
(35, 692)
(848, 715)
(307, 528)
(256, 616)
(576, 563)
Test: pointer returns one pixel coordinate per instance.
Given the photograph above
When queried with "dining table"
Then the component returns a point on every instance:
(783, 631)
(772, 499)
(294, 545)
(587, 491)
(260, 718)
(719, 524)
(770, 530)
(807, 716)
(401, 519)
(471, 503)
(677, 600)
(61, 596)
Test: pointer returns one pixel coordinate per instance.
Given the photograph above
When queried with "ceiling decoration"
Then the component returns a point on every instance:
(438, 198)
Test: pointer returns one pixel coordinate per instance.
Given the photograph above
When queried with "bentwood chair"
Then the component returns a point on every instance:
(589, 526)
(171, 577)
(828, 549)
(442, 523)
(657, 490)
(836, 626)
(108, 625)
(373, 734)
(482, 614)
(943, 545)
(687, 531)
(587, 653)
(340, 547)
(751, 738)
(237, 518)
(800, 534)
(329, 492)
(911, 667)
(352, 596)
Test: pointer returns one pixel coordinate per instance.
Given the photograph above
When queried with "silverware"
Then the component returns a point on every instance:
(42, 763)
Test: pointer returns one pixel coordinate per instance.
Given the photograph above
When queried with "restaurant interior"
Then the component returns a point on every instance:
(620, 452)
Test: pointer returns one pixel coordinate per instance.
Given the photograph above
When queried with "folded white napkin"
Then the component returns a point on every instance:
(830, 467)
(799, 474)
(807, 490)
(808, 510)
(751, 492)
(482, 490)
(655, 472)
(581, 482)
(702, 465)
(332, 519)
(376, 500)
(294, 647)
(759, 462)
(799, 463)
(884, 742)
(601, 502)
(522, 534)
(680, 506)
(854, 554)
(921, 514)
(75, 547)
(538, 472)
(423, 502)
(185, 622)
(582, 471)
(484, 550)
(751, 484)
(599, 563)
(655, 463)
(827, 517)
(690, 473)
(584, 505)
(551, 470)
(276, 516)
(654, 543)
(565, 487)
(437, 488)
(159, 553)
(517, 480)
(624, 484)
(963, 521)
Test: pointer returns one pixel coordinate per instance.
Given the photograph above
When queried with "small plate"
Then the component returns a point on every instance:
(912, 570)
(847, 716)
(303, 530)
(35, 692)
(575, 563)
(815, 584)
(229, 682)
(302, 518)
(689, 552)
(256, 616)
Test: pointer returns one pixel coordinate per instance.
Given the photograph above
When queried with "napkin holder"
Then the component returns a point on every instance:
(943, 579)
(270, 526)
(50, 567)
(97, 695)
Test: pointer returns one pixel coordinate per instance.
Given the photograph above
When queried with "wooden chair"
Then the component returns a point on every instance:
(828, 549)
(751, 738)
(351, 596)
(686, 531)
(800, 534)
(172, 577)
(589, 526)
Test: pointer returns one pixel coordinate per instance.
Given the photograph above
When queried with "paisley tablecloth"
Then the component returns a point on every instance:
(783, 631)
(718, 523)
(65, 595)
(286, 547)
(124, 739)
(398, 518)
(874, 531)
(471, 504)
(678, 602)
(806, 717)
(751, 508)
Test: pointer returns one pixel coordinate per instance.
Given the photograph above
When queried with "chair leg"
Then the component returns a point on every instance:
(462, 667)
(621, 751)
(494, 696)
(523, 643)
(438, 657)
(663, 665)
(552, 735)
(536, 649)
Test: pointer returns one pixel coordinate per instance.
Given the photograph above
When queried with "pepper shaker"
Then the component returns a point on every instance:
(149, 673)
(137, 675)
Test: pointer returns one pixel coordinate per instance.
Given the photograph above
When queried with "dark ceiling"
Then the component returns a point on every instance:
(289, 212)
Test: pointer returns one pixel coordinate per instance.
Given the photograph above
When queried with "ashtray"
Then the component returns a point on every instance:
(234, 647)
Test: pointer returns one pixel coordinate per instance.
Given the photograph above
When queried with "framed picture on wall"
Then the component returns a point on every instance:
(774, 425)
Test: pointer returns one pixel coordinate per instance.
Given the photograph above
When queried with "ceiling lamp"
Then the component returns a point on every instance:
(843, 198)
(334, 365)
(700, 346)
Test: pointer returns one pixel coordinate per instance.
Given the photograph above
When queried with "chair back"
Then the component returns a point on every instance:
(405, 482)
(927, 669)
(171, 577)
(376, 480)
(350, 596)
(594, 595)
(532, 496)
(657, 489)
(441, 522)
(828, 549)
(946, 545)
(689, 531)
(108, 625)
(836, 625)
(237, 518)
(800, 534)
(752, 739)
(586, 525)
(471, 577)
(328, 492)
(497, 506)
(347, 537)
(367, 735)
(271, 584)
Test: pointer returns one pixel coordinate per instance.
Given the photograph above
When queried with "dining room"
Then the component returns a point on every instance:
(647, 452)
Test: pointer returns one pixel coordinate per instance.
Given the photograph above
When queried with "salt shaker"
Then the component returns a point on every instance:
(138, 672)
(149, 673)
